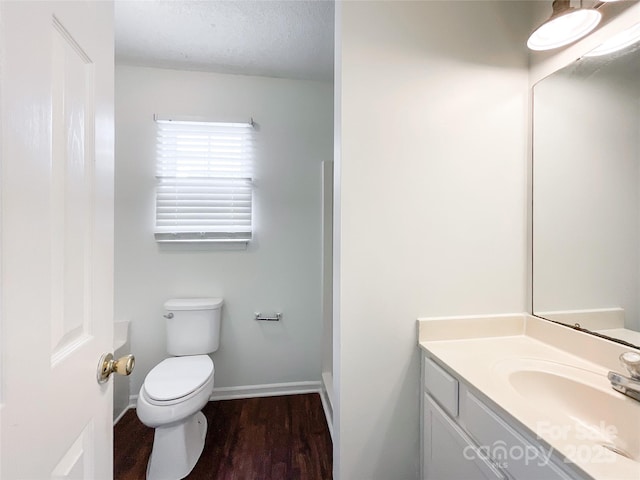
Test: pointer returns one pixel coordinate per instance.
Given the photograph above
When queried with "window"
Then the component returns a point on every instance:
(204, 181)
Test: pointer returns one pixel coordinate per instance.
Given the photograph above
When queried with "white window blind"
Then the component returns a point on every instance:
(204, 181)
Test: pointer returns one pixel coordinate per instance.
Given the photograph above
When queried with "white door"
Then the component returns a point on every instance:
(56, 238)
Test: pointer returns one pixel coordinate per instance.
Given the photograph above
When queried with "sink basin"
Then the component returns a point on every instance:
(580, 405)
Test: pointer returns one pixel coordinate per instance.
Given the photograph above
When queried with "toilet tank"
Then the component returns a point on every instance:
(193, 325)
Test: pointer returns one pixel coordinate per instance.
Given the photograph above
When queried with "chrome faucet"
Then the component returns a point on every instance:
(630, 385)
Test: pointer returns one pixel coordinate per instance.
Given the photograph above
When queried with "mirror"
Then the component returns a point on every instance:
(586, 195)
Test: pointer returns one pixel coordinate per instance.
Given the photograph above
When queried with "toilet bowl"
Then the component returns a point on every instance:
(170, 401)
(175, 391)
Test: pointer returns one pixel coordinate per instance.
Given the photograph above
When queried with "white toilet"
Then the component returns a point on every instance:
(177, 388)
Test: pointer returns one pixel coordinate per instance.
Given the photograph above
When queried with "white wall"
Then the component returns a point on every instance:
(432, 189)
(279, 271)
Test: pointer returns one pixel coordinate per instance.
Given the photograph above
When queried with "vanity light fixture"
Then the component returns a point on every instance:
(566, 25)
(620, 41)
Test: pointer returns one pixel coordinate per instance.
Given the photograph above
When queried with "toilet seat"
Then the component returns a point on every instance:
(176, 379)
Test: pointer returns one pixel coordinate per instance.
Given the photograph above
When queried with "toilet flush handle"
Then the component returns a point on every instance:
(168, 315)
(107, 365)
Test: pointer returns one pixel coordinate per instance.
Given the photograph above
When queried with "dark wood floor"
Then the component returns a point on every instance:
(272, 438)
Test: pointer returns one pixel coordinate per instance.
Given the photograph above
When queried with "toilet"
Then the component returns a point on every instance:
(175, 391)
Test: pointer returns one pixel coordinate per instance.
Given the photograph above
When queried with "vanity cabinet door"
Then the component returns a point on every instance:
(448, 452)
(523, 460)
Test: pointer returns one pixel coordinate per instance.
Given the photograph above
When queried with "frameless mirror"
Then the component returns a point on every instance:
(586, 195)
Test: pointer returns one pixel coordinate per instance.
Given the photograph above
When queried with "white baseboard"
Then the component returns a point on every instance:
(328, 410)
(253, 391)
(268, 390)
(327, 385)
(119, 417)
(326, 395)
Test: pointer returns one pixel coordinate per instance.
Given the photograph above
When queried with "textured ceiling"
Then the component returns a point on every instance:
(289, 39)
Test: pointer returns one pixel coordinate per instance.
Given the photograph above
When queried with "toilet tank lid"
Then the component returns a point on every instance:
(193, 303)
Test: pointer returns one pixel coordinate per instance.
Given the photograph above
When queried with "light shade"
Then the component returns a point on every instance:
(565, 26)
(620, 41)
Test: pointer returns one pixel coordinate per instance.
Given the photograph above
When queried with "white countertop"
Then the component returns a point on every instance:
(492, 344)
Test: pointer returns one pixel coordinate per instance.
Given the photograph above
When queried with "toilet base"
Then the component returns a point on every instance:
(177, 448)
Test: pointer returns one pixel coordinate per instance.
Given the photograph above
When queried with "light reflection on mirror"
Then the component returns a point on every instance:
(618, 42)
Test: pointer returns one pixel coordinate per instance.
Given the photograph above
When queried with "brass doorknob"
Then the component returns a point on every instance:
(107, 365)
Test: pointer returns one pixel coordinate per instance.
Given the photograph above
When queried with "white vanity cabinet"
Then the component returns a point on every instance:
(448, 451)
(463, 438)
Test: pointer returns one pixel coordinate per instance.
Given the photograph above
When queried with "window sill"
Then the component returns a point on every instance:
(202, 245)
(202, 240)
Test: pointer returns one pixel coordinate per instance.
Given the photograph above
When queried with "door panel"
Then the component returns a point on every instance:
(56, 238)
(77, 462)
(73, 153)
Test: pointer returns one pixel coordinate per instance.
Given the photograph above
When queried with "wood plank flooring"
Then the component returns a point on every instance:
(271, 438)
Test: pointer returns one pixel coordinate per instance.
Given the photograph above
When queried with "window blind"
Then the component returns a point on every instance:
(204, 181)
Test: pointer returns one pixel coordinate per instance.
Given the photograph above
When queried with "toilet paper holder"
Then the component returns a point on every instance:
(268, 318)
